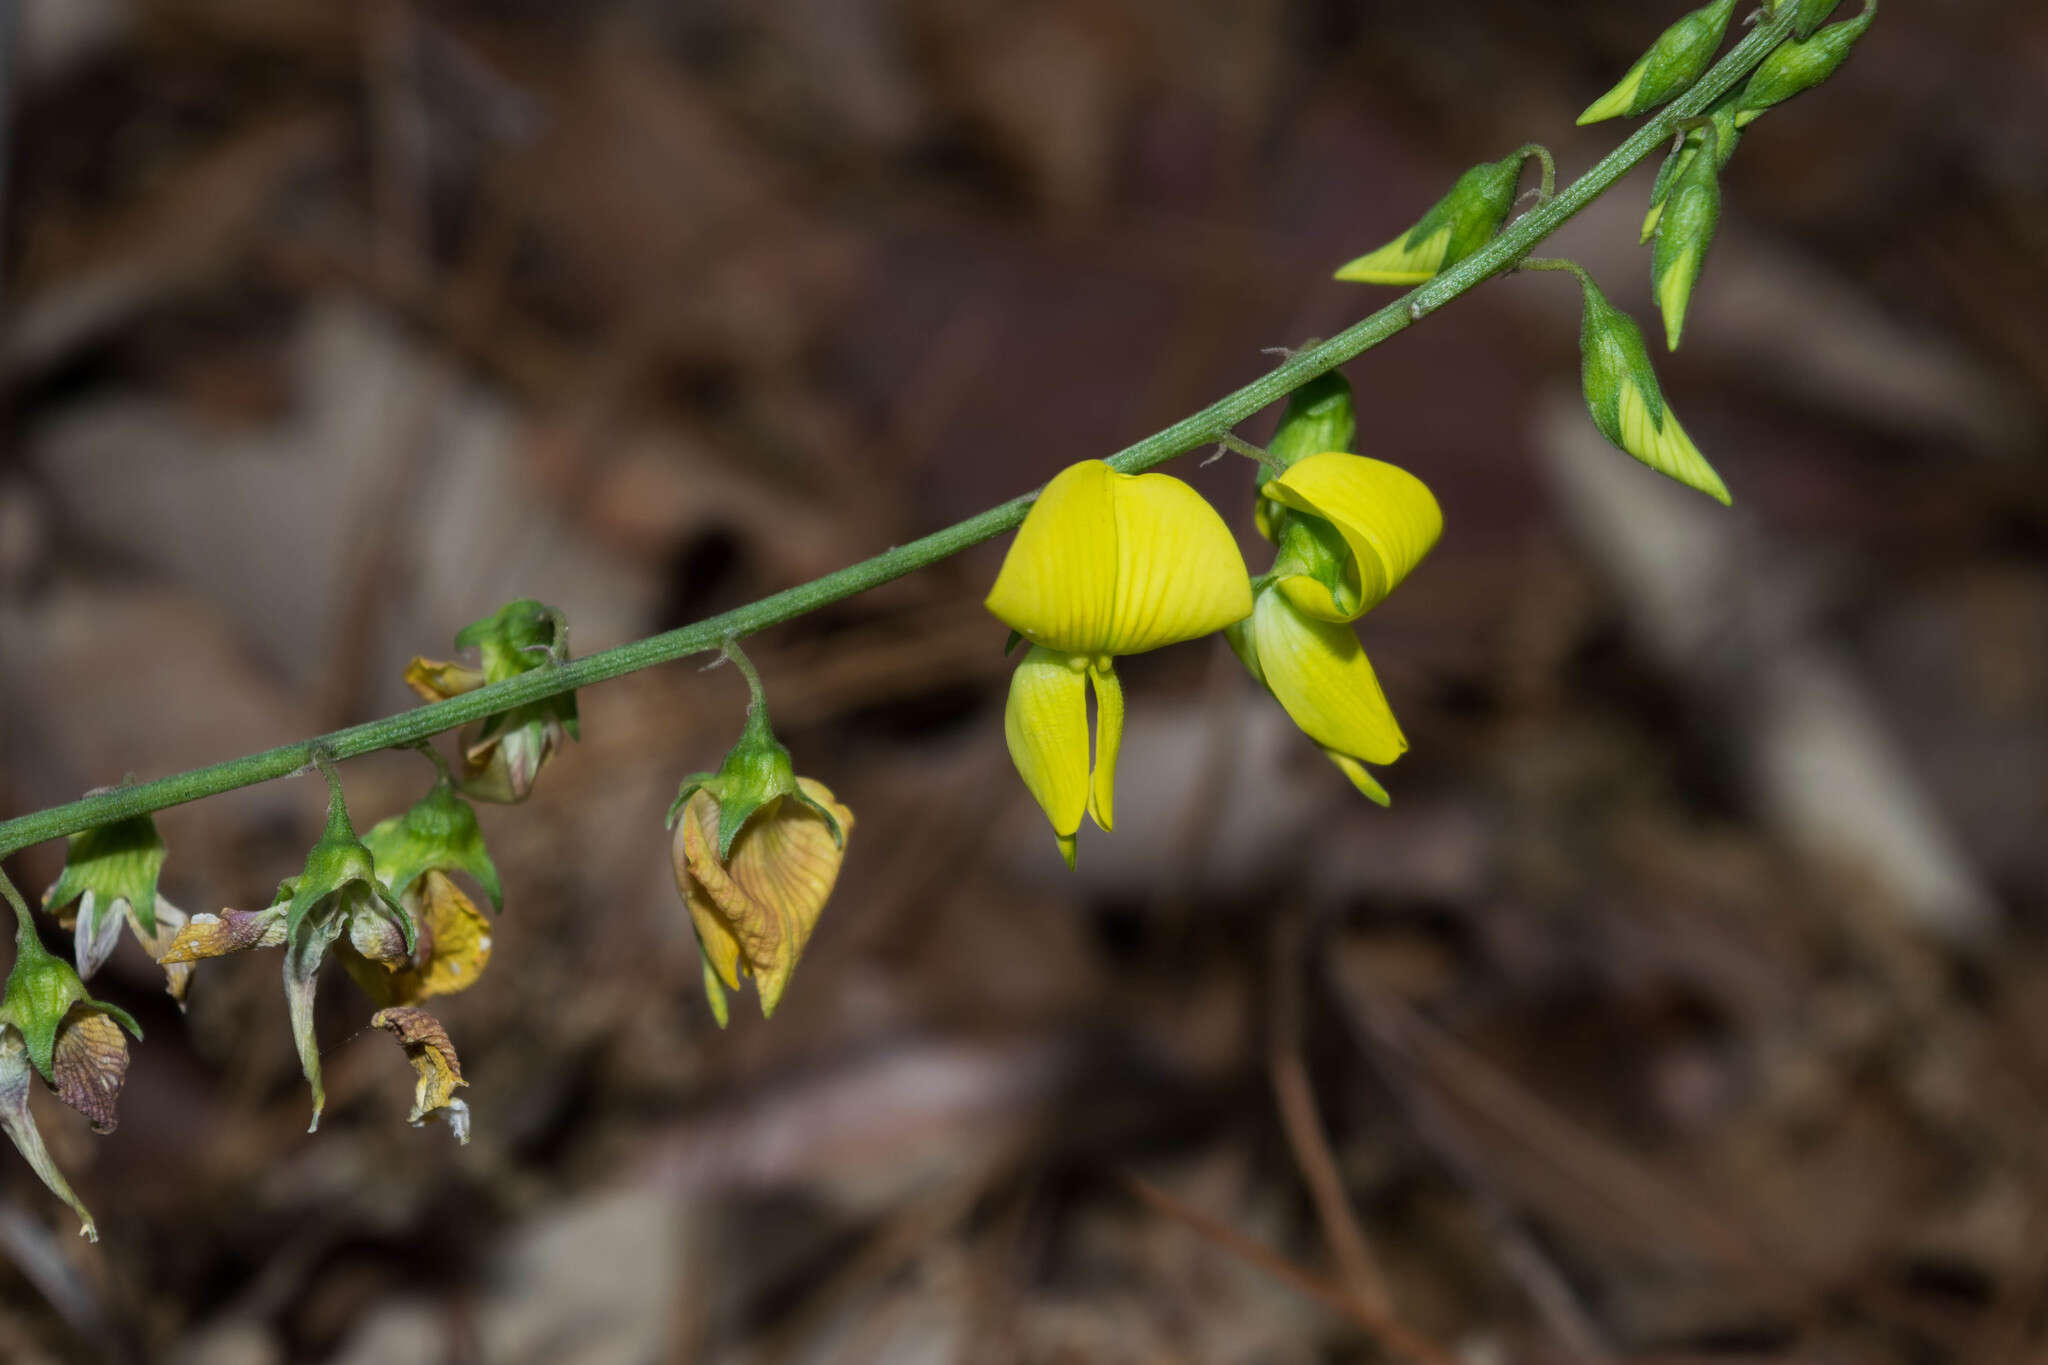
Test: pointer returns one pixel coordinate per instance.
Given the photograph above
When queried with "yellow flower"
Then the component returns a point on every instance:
(754, 910)
(1105, 564)
(451, 949)
(437, 1071)
(1349, 530)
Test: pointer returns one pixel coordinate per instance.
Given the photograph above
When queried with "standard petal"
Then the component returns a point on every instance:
(697, 846)
(1324, 682)
(437, 680)
(1057, 586)
(1109, 737)
(1405, 260)
(1388, 518)
(1180, 575)
(787, 865)
(1046, 724)
(90, 1064)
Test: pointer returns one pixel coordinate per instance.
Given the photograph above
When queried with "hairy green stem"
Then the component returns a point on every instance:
(1204, 428)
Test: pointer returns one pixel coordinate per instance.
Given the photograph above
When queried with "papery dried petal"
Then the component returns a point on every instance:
(231, 931)
(433, 1058)
(170, 920)
(96, 931)
(89, 1066)
(438, 680)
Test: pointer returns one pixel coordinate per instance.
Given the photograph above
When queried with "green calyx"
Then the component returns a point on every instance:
(756, 774)
(41, 991)
(341, 873)
(517, 638)
(1612, 357)
(439, 833)
(1811, 14)
(117, 862)
(1684, 232)
(1678, 58)
(1320, 416)
(1801, 64)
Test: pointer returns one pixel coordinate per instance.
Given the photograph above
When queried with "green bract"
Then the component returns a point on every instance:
(1800, 65)
(1678, 58)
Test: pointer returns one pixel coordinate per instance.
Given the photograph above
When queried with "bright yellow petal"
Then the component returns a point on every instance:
(1368, 785)
(1396, 263)
(1389, 520)
(1617, 100)
(1109, 563)
(1324, 682)
(1057, 586)
(1665, 448)
(1179, 573)
(1109, 737)
(1046, 724)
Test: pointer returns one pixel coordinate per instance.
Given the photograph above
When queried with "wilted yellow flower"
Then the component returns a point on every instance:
(1105, 564)
(755, 909)
(433, 1059)
(503, 754)
(452, 946)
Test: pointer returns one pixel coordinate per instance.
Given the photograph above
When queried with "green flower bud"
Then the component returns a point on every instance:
(1677, 59)
(1800, 65)
(439, 834)
(1455, 227)
(1723, 135)
(1319, 417)
(1683, 236)
(1626, 403)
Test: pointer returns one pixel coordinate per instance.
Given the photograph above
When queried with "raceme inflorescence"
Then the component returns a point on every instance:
(1109, 560)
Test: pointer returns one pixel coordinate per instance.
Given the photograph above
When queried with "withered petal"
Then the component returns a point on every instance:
(90, 1063)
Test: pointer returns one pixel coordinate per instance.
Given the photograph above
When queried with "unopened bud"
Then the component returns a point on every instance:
(1677, 59)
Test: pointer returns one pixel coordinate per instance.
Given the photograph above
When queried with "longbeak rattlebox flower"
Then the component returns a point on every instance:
(756, 853)
(1104, 564)
(1349, 530)
(502, 755)
(338, 893)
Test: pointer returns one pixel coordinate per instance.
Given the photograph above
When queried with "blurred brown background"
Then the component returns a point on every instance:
(1686, 1006)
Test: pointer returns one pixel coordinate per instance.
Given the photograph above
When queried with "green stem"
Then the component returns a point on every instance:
(1204, 428)
(24, 922)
